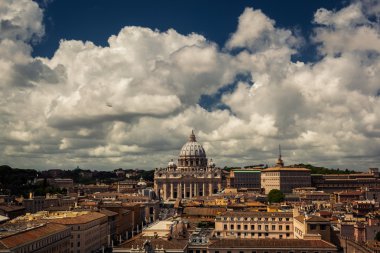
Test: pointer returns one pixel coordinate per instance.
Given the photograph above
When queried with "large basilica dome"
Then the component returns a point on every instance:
(192, 154)
(192, 147)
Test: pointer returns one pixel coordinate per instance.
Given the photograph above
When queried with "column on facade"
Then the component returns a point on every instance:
(164, 191)
(204, 189)
(171, 190)
(179, 190)
(219, 186)
(191, 190)
(210, 188)
(184, 190)
(195, 189)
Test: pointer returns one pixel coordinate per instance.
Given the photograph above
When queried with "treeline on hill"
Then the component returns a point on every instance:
(20, 182)
(323, 170)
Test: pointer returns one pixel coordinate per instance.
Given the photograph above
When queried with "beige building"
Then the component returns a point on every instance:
(270, 246)
(312, 227)
(284, 178)
(193, 176)
(254, 225)
(36, 238)
(89, 232)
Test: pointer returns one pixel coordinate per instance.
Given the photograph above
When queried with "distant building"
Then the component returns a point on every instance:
(284, 178)
(193, 176)
(12, 211)
(248, 178)
(35, 204)
(62, 183)
(346, 182)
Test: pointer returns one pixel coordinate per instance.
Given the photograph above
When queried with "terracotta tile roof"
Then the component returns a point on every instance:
(81, 219)
(30, 235)
(348, 193)
(317, 219)
(203, 211)
(271, 243)
(108, 212)
(300, 218)
(11, 208)
(155, 242)
(257, 214)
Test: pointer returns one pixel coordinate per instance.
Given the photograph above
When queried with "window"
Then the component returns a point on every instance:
(323, 227)
(245, 227)
(238, 227)
(273, 227)
(232, 226)
(280, 227)
(228, 251)
(252, 227)
(313, 227)
(287, 227)
(225, 226)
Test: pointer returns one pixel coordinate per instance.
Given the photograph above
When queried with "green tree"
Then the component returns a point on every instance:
(275, 196)
(377, 237)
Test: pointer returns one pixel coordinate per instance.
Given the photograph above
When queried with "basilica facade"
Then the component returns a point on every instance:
(192, 176)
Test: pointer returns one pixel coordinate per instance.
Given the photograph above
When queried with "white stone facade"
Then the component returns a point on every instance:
(192, 176)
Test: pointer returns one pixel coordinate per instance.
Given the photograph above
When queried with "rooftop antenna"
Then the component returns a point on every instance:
(280, 162)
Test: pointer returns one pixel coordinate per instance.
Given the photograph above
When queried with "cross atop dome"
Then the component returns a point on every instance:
(192, 137)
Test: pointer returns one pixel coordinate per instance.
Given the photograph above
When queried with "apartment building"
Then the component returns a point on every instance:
(254, 225)
(89, 230)
(37, 238)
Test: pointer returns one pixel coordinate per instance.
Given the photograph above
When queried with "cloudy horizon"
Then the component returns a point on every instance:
(133, 102)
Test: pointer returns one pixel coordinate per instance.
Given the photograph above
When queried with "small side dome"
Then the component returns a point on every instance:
(171, 164)
(141, 182)
(211, 163)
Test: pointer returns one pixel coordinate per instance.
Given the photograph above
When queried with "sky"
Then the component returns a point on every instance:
(121, 84)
